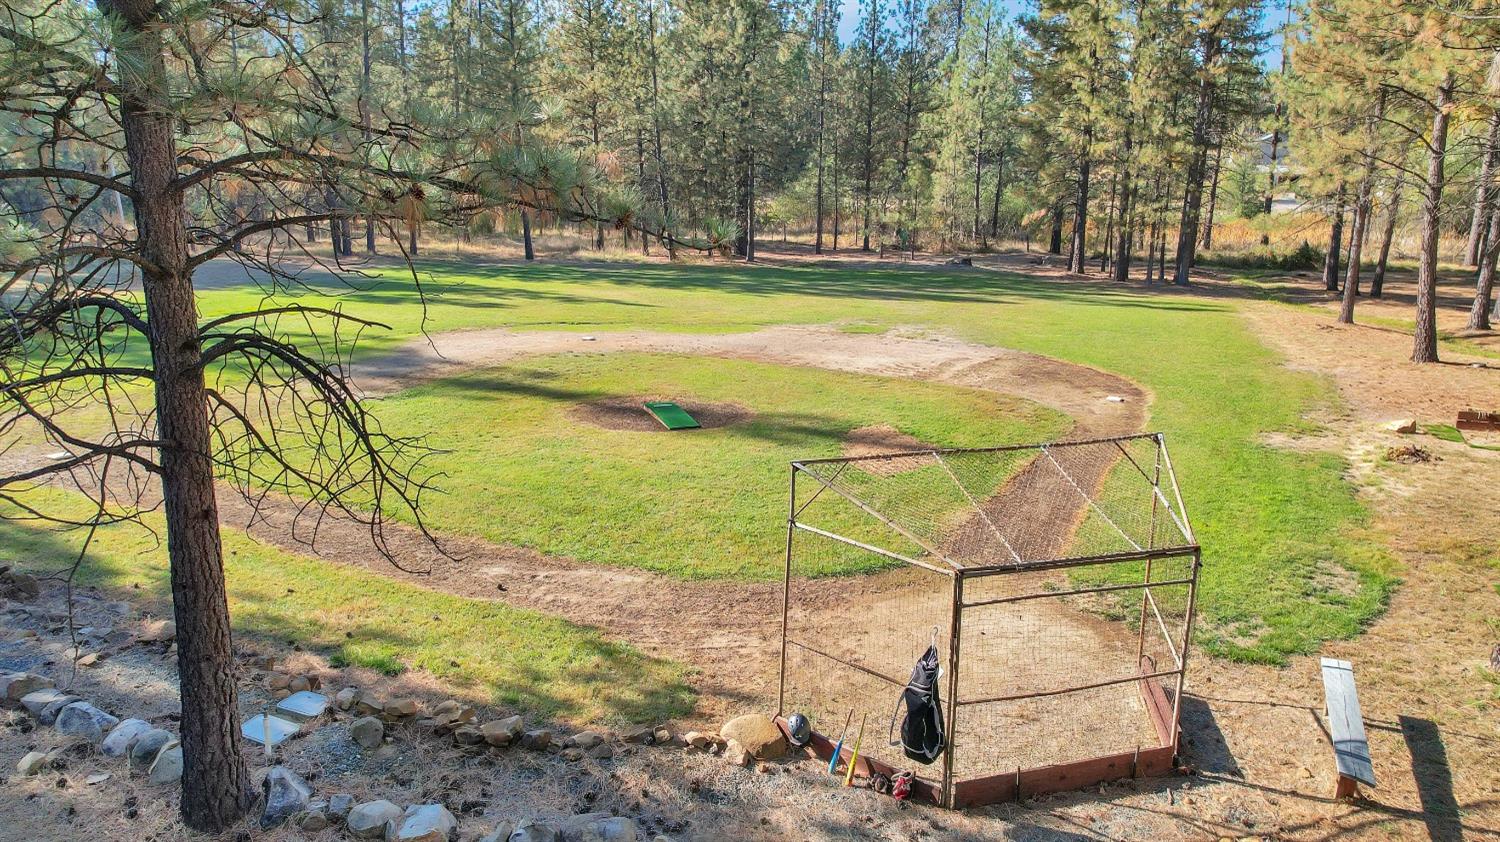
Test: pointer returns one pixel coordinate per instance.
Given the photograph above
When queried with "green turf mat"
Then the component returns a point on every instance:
(672, 416)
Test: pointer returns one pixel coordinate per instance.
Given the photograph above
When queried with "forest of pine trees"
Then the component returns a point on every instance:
(1110, 132)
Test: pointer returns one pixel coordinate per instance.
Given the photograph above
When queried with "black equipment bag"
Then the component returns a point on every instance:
(922, 736)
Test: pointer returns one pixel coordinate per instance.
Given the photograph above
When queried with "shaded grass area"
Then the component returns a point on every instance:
(511, 656)
(1288, 562)
(521, 468)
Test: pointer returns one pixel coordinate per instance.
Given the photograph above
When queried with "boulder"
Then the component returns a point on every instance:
(167, 767)
(286, 795)
(18, 684)
(402, 707)
(299, 684)
(32, 764)
(368, 732)
(312, 821)
(369, 820)
(37, 701)
(587, 739)
(502, 732)
(736, 754)
(501, 833)
(81, 719)
(699, 740)
(599, 827)
(425, 823)
(278, 681)
(759, 735)
(19, 586)
(537, 740)
(663, 735)
(348, 698)
(1405, 426)
(340, 804)
(148, 745)
(531, 830)
(48, 714)
(468, 735)
(639, 736)
(366, 706)
(124, 735)
(601, 751)
(159, 631)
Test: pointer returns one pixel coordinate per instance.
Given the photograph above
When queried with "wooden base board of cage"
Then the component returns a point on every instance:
(1469, 419)
(1044, 780)
(922, 789)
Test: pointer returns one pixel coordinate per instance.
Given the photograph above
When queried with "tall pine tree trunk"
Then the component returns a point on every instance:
(1054, 243)
(1484, 288)
(1076, 256)
(1187, 229)
(1335, 243)
(1484, 192)
(1377, 281)
(1213, 200)
(216, 788)
(1424, 339)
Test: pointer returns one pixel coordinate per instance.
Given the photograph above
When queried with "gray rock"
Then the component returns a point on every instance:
(18, 684)
(639, 736)
(502, 732)
(286, 795)
(32, 764)
(348, 698)
(368, 732)
(48, 714)
(312, 821)
(601, 751)
(425, 823)
(81, 719)
(368, 820)
(599, 827)
(124, 735)
(501, 833)
(36, 701)
(167, 767)
(340, 804)
(537, 740)
(587, 739)
(530, 830)
(148, 745)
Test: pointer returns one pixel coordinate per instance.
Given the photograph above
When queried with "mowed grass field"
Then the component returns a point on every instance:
(522, 468)
(1288, 560)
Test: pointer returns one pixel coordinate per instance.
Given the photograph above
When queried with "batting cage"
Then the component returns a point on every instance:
(1054, 583)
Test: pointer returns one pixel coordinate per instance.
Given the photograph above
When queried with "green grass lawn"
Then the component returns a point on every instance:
(522, 469)
(508, 656)
(1288, 561)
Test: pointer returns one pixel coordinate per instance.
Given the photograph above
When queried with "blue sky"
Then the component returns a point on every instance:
(1270, 54)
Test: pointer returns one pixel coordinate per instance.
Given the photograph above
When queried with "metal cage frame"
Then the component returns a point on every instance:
(1014, 784)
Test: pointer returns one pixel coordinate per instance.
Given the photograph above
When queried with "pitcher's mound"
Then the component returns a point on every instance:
(629, 414)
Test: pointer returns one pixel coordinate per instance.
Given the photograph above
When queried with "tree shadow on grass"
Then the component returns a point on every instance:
(518, 657)
(894, 284)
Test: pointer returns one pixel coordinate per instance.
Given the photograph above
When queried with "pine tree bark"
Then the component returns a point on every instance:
(1484, 288)
(216, 789)
(1484, 192)
(1424, 339)
(1187, 229)
(1335, 244)
(1076, 256)
(1377, 281)
(1213, 199)
(1054, 244)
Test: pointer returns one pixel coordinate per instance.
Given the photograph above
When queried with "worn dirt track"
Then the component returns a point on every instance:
(728, 631)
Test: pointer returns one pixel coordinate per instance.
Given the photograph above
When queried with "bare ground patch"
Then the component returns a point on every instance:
(882, 439)
(629, 413)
